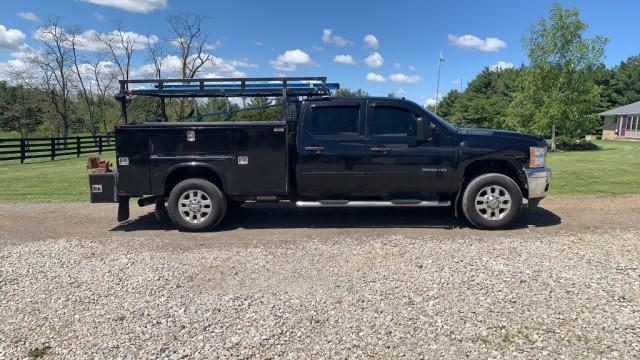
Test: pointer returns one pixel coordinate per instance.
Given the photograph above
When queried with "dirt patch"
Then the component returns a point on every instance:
(21, 222)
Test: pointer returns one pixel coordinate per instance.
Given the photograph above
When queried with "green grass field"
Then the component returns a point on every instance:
(45, 180)
(613, 170)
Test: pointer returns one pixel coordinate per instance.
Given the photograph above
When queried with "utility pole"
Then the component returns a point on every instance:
(440, 61)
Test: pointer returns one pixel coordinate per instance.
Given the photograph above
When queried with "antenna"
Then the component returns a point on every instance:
(440, 61)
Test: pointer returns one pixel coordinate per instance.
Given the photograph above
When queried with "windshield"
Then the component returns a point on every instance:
(443, 122)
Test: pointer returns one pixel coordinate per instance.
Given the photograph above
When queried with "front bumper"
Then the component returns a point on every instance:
(538, 180)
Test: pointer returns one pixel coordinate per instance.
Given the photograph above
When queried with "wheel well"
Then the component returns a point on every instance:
(188, 172)
(495, 166)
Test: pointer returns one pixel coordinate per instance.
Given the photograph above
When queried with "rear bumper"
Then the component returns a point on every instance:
(538, 180)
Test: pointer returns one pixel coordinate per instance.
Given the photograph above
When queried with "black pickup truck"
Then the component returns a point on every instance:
(326, 152)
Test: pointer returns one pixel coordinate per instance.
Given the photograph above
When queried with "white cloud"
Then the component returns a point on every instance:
(135, 6)
(473, 42)
(329, 38)
(430, 102)
(87, 40)
(406, 79)
(501, 65)
(259, 43)
(290, 60)
(374, 60)
(29, 16)
(217, 67)
(99, 16)
(399, 92)
(209, 46)
(318, 48)
(397, 66)
(344, 59)
(457, 82)
(376, 78)
(412, 68)
(371, 41)
(12, 39)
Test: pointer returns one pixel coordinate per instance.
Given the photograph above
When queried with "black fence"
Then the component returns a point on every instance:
(34, 148)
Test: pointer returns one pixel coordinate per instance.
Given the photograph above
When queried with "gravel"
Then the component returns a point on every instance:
(490, 295)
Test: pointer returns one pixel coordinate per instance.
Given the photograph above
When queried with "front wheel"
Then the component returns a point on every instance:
(492, 201)
(196, 205)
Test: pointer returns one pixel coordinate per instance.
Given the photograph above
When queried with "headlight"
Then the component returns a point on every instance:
(537, 156)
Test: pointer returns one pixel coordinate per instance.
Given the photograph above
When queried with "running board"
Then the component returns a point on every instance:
(393, 203)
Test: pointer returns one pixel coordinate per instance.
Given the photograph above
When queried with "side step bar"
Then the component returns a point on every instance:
(392, 203)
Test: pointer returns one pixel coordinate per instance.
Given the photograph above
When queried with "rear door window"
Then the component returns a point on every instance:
(334, 121)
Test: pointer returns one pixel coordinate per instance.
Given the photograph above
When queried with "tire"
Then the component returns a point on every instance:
(492, 201)
(161, 213)
(188, 202)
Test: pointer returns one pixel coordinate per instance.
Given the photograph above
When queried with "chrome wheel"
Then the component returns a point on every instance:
(194, 206)
(493, 202)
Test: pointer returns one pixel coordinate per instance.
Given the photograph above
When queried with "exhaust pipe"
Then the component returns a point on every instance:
(145, 201)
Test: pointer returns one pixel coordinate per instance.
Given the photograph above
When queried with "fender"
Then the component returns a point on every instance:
(158, 184)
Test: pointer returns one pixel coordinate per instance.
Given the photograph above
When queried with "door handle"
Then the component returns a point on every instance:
(316, 149)
(380, 149)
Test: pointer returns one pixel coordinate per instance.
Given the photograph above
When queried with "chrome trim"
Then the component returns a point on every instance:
(538, 180)
(192, 157)
(399, 203)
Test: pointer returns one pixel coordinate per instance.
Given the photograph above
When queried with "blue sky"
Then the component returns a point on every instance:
(268, 38)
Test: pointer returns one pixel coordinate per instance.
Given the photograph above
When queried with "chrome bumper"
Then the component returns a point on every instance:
(538, 180)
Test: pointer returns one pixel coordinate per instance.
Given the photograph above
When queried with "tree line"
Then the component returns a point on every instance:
(65, 89)
(559, 93)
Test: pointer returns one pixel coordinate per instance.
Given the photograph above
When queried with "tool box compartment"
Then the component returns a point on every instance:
(103, 187)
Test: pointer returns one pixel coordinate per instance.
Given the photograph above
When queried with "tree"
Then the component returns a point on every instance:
(622, 85)
(191, 44)
(86, 94)
(56, 73)
(156, 53)
(19, 109)
(559, 95)
(485, 101)
(447, 107)
(345, 92)
(119, 47)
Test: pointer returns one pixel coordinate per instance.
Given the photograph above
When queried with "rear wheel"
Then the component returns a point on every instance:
(196, 205)
(492, 201)
(161, 212)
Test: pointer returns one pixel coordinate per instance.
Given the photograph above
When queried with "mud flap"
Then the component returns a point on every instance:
(123, 208)
(533, 203)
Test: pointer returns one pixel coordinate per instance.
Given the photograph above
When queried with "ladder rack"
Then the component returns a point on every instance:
(228, 87)
(286, 87)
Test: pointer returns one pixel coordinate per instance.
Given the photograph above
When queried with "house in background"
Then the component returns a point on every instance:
(622, 122)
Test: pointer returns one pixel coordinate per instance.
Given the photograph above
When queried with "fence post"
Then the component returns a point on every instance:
(23, 150)
(53, 148)
(100, 144)
(78, 146)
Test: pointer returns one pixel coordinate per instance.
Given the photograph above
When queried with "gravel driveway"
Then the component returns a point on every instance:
(276, 282)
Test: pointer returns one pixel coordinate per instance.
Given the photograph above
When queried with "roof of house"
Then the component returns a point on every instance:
(630, 109)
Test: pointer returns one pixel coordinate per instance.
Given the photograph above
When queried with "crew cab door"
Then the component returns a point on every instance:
(400, 164)
(331, 149)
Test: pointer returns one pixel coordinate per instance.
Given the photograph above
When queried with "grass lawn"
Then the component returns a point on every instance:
(613, 170)
(45, 180)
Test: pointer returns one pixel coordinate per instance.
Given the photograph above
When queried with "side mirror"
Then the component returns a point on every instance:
(434, 131)
(421, 134)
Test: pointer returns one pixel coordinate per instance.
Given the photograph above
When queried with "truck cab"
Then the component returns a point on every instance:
(325, 152)
(372, 148)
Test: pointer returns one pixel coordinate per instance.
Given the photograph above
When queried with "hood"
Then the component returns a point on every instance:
(500, 133)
